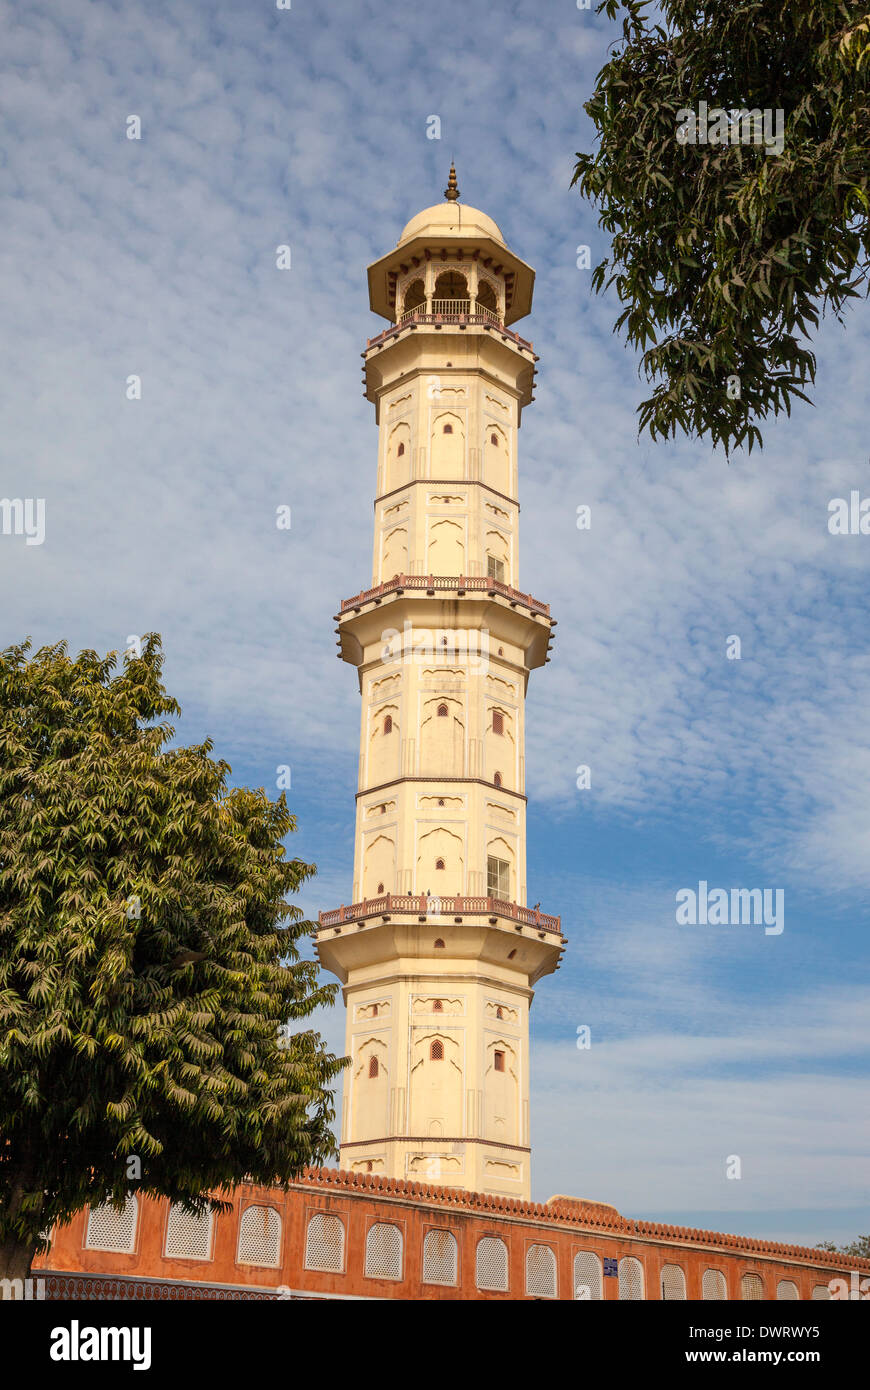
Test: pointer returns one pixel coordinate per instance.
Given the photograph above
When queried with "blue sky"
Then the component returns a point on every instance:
(308, 127)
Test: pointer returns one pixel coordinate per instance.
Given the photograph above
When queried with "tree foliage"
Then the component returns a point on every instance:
(725, 255)
(148, 957)
(860, 1247)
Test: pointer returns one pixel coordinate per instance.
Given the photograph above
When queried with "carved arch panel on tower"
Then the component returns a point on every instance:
(384, 744)
(498, 550)
(397, 464)
(394, 553)
(445, 553)
(497, 459)
(436, 1083)
(440, 863)
(501, 1092)
(447, 446)
(442, 737)
(371, 1083)
(500, 745)
(379, 866)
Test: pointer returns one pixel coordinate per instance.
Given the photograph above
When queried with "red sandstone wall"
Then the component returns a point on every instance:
(358, 1203)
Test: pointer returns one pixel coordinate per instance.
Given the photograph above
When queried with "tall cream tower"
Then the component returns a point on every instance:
(438, 952)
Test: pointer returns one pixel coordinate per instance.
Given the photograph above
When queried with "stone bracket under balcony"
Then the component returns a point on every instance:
(474, 931)
(449, 603)
(425, 343)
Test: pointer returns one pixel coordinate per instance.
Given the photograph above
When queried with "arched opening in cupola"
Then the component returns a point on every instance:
(415, 297)
(486, 298)
(451, 293)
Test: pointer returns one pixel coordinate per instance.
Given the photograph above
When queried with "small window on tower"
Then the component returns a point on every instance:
(438, 1007)
(439, 863)
(369, 1165)
(374, 1010)
(499, 1013)
(497, 779)
(441, 801)
(493, 439)
(400, 450)
(439, 945)
(436, 1051)
(495, 568)
(380, 888)
(497, 721)
(388, 724)
(499, 1061)
(448, 429)
(373, 1066)
(498, 878)
(442, 711)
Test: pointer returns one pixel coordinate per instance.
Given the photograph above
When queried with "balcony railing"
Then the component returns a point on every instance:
(449, 311)
(457, 583)
(419, 905)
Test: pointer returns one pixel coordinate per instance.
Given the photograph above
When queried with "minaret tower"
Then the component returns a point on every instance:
(438, 952)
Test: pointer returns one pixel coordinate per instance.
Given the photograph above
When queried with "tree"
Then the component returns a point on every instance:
(148, 958)
(860, 1247)
(736, 223)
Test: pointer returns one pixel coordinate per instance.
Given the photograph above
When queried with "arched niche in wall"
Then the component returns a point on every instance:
(447, 446)
(496, 459)
(397, 465)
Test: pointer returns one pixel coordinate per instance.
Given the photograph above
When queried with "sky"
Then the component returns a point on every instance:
(156, 257)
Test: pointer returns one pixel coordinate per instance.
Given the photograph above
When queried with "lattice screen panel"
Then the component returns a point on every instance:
(786, 1289)
(673, 1283)
(384, 1251)
(751, 1287)
(540, 1271)
(630, 1278)
(713, 1284)
(821, 1291)
(188, 1237)
(440, 1258)
(110, 1229)
(492, 1264)
(260, 1237)
(324, 1244)
(587, 1275)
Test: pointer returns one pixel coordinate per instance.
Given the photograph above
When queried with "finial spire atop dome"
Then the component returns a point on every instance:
(451, 192)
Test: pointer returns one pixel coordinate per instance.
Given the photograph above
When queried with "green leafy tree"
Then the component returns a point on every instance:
(725, 254)
(150, 973)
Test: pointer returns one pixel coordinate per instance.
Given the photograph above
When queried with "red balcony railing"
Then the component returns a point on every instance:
(419, 905)
(457, 583)
(480, 316)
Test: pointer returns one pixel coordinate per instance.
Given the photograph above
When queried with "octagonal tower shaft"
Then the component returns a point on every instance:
(439, 952)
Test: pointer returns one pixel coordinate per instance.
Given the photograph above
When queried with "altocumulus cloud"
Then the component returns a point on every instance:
(157, 258)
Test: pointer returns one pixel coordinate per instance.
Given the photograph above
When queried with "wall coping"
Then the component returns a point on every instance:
(594, 1217)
